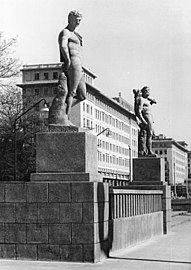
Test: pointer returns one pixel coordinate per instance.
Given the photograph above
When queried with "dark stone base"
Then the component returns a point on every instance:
(148, 169)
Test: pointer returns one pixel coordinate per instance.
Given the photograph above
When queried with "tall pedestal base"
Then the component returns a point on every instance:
(149, 173)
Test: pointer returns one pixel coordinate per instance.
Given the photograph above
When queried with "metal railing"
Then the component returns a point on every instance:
(127, 202)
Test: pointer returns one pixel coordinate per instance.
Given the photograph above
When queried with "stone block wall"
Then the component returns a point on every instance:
(54, 221)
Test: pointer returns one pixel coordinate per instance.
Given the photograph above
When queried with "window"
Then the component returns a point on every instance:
(55, 75)
(45, 75)
(55, 91)
(87, 108)
(46, 91)
(37, 91)
(37, 76)
(88, 123)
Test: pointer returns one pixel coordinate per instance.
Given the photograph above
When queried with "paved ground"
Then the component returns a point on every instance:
(167, 252)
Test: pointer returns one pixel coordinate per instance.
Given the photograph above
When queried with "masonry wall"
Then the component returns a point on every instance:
(62, 221)
(54, 221)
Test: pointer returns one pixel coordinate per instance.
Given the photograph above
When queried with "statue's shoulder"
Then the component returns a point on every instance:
(63, 33)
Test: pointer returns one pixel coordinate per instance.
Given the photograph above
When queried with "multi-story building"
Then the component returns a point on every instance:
(189, 167)
(175, 154)
(97, 114)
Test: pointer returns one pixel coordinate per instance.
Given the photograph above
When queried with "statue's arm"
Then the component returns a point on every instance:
(139, 111)
(63, 42)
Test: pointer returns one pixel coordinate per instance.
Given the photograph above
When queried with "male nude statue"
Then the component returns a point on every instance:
(145, 121)
(71, 85)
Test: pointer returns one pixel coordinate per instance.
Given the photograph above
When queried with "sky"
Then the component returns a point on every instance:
(127, 43)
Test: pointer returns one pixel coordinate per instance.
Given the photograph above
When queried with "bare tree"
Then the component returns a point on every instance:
(9, 65)
(11, 107)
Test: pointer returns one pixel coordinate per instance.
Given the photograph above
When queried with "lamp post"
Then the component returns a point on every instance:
(45, 108)
(109, 133)
(130, 164)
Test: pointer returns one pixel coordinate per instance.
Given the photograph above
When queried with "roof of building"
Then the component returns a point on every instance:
(113, 102)
(180, 144)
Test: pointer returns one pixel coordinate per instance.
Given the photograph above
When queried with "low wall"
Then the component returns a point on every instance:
(75, 221)
(135, 216)
(181, 205)
(54, 221)
(133, 230)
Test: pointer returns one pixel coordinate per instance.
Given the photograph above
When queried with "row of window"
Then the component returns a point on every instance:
(87, 123)
(97, 101)
(113, 147)
(180, 175)
(180, 162)
(45, 91)
(112, 159)
(108, 119)
(161, 152)
(122, 174)
(114, 135)
(46, 76)
(180, 156)
(104, 117)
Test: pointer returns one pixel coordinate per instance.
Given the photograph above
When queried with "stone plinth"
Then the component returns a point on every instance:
(148, 170)
(149, 173)
(66, 156)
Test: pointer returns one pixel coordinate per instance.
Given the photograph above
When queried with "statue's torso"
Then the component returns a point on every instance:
(74, 47)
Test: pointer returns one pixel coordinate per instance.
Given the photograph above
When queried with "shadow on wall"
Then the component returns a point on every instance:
(105, 222)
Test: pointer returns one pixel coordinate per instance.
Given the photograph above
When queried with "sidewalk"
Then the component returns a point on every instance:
(167, 252)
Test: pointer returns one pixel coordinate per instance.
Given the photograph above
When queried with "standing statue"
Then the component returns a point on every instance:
(145, 121)
(71, 84)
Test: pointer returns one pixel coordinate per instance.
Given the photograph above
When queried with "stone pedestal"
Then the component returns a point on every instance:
(66, 156)
(71, 205)
(149, 173)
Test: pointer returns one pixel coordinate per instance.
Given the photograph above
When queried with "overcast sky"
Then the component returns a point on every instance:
(127, 43)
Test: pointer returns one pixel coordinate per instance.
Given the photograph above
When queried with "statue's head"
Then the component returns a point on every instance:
(74, 17)
(145, 91)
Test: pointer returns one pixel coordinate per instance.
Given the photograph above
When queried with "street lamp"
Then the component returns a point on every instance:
(108, 134)
(44, 111)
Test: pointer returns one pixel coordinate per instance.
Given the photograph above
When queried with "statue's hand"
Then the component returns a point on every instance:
(66, 65)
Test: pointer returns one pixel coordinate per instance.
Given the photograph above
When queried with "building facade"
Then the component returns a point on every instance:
(97, 114)
(176, 158)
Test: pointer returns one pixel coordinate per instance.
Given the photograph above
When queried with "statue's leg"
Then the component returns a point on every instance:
(80, 92)
(142, 142)
(74, 77)
(149, 139)
(57, 112)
